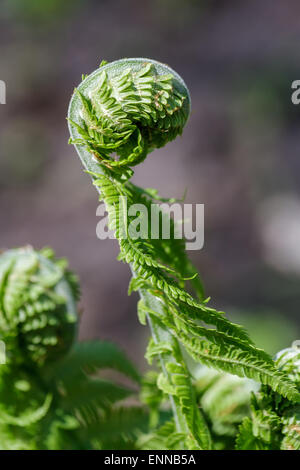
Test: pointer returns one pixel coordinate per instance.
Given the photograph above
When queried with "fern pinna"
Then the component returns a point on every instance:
(117, 116)
(48, 399)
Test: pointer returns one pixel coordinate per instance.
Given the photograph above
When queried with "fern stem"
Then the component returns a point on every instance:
(162, 335)
(159, 335)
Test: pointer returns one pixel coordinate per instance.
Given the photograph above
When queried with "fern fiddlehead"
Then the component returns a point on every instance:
(117, 116)
(38, 319)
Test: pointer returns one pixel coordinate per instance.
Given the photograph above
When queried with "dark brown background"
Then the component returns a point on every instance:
(239, 154)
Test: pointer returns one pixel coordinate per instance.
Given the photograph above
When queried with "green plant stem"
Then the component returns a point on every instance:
(160, 334)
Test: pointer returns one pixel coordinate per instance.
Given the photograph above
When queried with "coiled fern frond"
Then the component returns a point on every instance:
(130, 111)
(117, 116)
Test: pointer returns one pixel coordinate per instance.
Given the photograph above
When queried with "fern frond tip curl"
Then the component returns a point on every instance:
(126, 109)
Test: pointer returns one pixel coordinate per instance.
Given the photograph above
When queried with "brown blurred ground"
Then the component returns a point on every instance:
(239, 154)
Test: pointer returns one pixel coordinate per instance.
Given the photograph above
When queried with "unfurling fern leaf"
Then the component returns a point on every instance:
(119, 114)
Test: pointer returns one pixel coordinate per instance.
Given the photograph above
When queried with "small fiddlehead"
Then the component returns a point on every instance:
(38, 315)
(274, 423)
(117, 116)
(38, 320)
(129, 110)
(48, 400)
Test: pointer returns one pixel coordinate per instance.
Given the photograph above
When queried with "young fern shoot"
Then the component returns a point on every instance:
(129, 108)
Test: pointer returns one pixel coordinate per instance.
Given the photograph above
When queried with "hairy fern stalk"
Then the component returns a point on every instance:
(117, 116)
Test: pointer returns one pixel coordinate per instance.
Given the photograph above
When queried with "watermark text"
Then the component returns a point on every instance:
(155, 221)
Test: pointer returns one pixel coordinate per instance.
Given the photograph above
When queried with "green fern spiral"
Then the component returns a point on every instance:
(118, 115)
(38, 313)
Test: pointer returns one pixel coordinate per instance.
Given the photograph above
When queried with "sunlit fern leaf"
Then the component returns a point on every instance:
(230, 355)
(45, 403)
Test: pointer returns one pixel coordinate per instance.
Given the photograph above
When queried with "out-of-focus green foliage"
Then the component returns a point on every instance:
(50, 394)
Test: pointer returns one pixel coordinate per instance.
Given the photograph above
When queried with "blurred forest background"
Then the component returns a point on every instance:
(239, 154)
